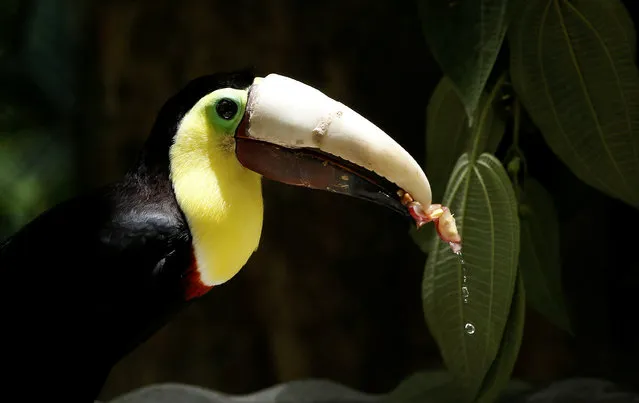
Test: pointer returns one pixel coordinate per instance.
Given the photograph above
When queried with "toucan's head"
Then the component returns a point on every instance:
(227, 131)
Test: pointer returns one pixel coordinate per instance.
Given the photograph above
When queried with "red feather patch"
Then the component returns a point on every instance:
(193, 286)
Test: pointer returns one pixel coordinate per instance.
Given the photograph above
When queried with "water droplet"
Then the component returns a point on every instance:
(465, 294)
(469, 328)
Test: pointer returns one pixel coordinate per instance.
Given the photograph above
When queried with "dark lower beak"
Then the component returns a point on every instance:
(316, 170)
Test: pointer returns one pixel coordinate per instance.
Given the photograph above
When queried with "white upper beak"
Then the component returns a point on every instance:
(291, 114)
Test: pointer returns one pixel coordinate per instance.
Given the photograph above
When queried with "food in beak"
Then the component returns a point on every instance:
(440, 215)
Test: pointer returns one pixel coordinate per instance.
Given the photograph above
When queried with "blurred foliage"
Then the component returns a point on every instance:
(539, 259)
(36, 105)
(573, 71)
(44, 168)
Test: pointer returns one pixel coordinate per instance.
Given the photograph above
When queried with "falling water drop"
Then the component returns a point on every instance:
(469, 328)
(465, 293)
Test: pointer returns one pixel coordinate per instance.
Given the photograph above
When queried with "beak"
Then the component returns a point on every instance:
(294, 134)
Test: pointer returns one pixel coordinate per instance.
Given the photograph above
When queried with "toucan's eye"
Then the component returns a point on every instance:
(226, 108)
(223, 110)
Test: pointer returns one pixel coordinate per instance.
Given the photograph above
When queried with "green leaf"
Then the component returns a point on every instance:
(495, 128)
(539, 259)
(573, 69)
(483, 201)
(424, 387)
(500, 372)
(465, 38)
(448, 137)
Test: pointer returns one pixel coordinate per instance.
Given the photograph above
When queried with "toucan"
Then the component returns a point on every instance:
(86, 282)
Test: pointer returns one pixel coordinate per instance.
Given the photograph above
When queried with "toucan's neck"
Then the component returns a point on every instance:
(221, 200)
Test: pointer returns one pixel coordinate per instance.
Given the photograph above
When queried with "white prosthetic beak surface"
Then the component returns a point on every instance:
(291, 114)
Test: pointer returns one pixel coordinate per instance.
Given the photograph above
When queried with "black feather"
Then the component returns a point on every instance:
(89, 280)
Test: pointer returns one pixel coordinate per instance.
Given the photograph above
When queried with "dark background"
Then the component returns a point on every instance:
(334, 289)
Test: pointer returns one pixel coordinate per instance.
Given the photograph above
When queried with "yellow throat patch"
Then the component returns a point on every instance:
(222, 200)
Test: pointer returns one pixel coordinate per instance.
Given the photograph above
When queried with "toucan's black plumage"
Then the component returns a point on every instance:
(90, 279)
